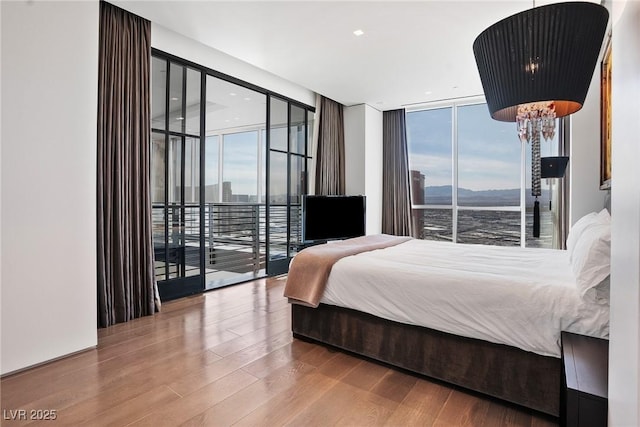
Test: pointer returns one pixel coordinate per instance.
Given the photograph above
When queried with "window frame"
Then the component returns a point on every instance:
(455, 207)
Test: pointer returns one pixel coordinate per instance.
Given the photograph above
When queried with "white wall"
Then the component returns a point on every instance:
(624, 345)
(363, 159)
(48, 221)
(584, 158)
(189, 49)
(354, 149)
(373, 169)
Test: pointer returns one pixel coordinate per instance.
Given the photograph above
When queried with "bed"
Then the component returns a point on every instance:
(485, 318)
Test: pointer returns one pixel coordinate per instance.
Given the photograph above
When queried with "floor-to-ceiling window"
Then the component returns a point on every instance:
(175, 157)
(210, 165)
(471, 180)
(234, 126)
(289, 136)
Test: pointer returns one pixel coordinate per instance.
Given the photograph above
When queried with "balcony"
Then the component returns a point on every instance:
(234, 243)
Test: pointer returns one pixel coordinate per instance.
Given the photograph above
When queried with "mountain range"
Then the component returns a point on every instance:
(441, 194)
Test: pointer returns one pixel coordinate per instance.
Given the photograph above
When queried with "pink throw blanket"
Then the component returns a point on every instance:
(310, 268)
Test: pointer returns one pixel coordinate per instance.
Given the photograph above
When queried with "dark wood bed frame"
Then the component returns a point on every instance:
(497, 370)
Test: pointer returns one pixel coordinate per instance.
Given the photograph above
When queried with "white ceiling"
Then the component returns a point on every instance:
(411, 52)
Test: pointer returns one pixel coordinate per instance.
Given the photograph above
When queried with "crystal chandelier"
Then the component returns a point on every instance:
(536, 117)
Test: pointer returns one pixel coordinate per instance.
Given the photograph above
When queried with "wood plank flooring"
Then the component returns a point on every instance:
(227, 357)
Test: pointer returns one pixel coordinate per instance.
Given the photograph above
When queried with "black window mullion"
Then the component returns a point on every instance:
(183, 220)
(288, 179)
(267, 192)
(203, 115)
(166, 173)
(174, 133)
(183, 159)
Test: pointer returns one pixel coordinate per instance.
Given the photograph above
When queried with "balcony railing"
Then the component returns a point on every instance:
(234, 239)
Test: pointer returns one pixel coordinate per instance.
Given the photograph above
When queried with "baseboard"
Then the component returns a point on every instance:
(46, 362)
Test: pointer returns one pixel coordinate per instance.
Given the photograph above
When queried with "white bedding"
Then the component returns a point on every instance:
(516, 296)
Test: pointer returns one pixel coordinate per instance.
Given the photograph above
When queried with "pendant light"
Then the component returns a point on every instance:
(536, 66)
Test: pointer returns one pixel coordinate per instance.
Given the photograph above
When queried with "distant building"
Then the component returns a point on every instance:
(417, 198)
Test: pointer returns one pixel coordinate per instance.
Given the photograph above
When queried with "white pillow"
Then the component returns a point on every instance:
(576, 230)
(591, 258)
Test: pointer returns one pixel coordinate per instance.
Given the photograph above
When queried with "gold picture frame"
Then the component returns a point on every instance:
(605, 119)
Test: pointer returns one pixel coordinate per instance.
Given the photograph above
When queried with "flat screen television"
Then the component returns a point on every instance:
(332, 217)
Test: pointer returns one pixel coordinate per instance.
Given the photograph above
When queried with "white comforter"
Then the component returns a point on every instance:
(516, 296)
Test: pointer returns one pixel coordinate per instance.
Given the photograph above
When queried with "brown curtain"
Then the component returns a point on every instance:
(330, 156)
(126, 284)
(396, 201)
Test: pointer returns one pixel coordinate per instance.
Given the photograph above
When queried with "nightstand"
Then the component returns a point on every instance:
(585, 362)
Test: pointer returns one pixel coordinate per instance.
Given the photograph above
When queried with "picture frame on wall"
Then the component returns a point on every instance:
(605, 119)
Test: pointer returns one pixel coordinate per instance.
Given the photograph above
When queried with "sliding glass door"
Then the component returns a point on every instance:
(175, 178)
(287, 182)
(226, 204)
(234, 173)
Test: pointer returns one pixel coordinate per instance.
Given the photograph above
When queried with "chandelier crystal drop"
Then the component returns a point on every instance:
(536, 117)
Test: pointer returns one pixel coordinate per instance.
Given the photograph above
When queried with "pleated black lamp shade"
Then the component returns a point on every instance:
(546, 53)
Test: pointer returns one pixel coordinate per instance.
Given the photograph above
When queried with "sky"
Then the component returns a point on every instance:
(488, 150)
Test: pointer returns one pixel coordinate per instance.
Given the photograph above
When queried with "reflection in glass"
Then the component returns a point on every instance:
(298, 179)
(429, 140)
(298, 130)
(192, 170)
(278, 131)
(175, 169)
(158, 93)
(157, 167)
(176, 97)
(547, 148)
(192, 107)
(310, 124)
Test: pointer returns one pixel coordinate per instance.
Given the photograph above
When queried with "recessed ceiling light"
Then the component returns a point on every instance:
(247, 99)
(428, 92)
(358, 32)
(236, 118)
(173, 98)
(232, 94)
(179, 118)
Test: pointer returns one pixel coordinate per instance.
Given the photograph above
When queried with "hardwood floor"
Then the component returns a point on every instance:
(228, 358)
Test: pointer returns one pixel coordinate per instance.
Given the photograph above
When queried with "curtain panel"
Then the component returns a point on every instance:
(396, 198)
(126, 283)
(330, 177)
